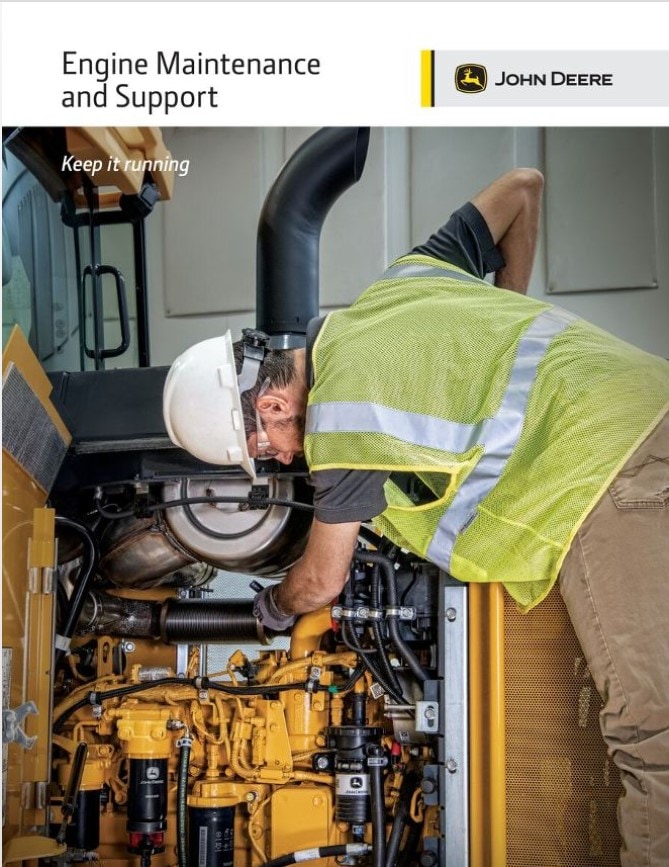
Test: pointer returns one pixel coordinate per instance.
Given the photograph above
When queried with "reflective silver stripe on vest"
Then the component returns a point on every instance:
(500, 435)
(411, 427)
(413, 269)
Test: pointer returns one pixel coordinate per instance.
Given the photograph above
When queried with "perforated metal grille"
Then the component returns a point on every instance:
(28, 433)
(562, 788)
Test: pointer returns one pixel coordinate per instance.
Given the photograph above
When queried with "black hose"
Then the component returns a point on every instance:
(401, 819)
(81, 587)
(396, 834)
(370, 658)
(407, 855)
(375, 751)
(382, 655)
(391, 598)
(352, 641)
(72, 792)
(356, 674)
(323, 852)
(182, 794)
(258, 503)
(95, 697)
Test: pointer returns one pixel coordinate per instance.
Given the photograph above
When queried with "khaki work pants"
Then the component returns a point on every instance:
(615, 584)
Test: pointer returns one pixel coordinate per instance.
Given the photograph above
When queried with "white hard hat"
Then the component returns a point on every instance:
(202, 405)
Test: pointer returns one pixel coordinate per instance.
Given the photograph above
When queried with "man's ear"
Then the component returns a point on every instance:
(273, 406)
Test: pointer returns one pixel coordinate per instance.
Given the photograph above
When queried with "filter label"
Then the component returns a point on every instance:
(353, 785)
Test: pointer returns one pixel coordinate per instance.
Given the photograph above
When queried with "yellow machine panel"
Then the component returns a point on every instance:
(562, 787)
(544, 790)
(34, 444)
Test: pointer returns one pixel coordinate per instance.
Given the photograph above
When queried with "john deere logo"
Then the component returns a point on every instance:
(471, 78)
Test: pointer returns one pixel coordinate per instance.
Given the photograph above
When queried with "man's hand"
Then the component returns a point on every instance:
(268, 612)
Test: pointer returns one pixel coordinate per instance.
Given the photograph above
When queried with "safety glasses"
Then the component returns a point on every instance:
(264, 451)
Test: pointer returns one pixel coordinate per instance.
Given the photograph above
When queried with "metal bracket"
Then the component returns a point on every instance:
(366, 612)
(315, 673)
(257, 497)
(12, 733)
(427, 716)
(404, 612)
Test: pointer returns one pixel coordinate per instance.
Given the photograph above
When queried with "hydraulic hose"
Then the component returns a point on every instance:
(384, 661)
(72, 792)
(184, 744)
(355, 677)
(401, 819)
(375, 751)
(407, 855)
(391, 598)
(322, 852)
(96, 697)
(352, 641)
(396, 833)
(81, 587)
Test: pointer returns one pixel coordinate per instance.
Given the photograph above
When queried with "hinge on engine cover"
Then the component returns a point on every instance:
(40, 580)
(42, 553)
(12, 720)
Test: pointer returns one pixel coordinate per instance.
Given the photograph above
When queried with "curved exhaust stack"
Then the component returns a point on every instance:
(287, 287)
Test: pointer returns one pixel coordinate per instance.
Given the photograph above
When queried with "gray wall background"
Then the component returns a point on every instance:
(606, 214)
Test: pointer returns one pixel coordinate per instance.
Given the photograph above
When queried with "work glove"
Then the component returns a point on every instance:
(268, 612)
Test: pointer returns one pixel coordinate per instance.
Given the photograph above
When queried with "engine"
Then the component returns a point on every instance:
(318, 751)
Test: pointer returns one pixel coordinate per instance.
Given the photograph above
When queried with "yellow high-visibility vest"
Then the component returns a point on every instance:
(513, 414)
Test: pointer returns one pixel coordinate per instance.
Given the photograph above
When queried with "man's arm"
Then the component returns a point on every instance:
(511, 206)
(320, 575)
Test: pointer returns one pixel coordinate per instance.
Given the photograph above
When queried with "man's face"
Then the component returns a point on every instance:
(285, 441)
(280, 423)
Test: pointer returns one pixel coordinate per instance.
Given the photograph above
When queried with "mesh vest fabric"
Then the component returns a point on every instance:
(445, 348)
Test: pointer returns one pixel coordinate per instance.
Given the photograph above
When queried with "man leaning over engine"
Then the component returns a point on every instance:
(540, 441)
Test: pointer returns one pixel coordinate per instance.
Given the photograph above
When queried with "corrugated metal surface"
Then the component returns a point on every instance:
(29, 434)
(561, 787)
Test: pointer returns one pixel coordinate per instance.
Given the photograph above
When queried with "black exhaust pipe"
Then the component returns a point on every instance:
(287, 287)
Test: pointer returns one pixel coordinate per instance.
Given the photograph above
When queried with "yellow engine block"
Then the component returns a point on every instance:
(254, 762)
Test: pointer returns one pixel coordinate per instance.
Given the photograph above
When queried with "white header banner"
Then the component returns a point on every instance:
(313, 63)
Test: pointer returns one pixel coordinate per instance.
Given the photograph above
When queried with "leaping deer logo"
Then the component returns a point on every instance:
(471, 78)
